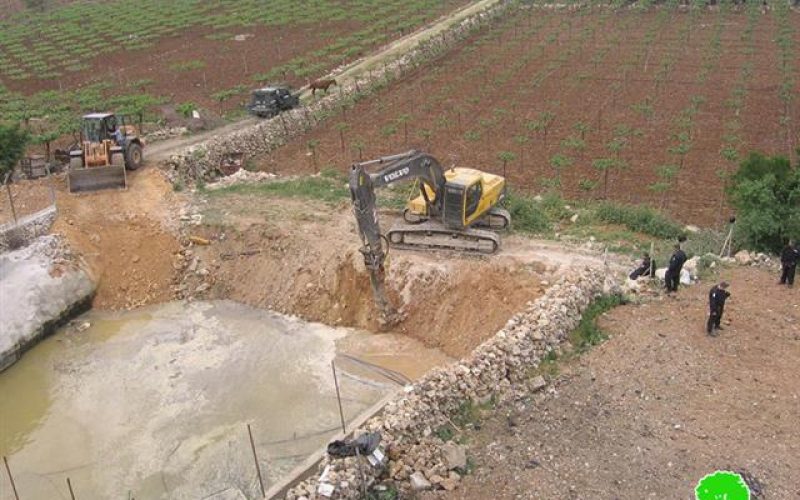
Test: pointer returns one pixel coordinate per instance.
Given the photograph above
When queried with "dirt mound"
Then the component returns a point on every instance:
(660, 405)
(127, 237)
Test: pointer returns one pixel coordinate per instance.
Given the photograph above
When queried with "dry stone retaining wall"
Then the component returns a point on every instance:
(200, 161)
(498, 368)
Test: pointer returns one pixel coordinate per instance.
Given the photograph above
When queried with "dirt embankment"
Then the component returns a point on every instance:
(127, 237)
(302, 258)
(660, 405)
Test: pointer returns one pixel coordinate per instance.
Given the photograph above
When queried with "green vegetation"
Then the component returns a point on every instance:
(588, 334)
(527, 216)
(192, 65)
(327, 187)
(49, 43)
(639, 219)
(766, 194)
(12, 147)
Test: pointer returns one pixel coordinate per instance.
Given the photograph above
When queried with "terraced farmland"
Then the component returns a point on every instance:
(639, 104)
(207, 54)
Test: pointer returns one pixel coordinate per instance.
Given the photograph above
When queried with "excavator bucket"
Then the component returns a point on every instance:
(97, 178)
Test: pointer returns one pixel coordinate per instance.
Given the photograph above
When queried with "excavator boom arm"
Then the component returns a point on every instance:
(396, 168)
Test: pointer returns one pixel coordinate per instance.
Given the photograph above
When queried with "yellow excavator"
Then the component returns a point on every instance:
(456, 209)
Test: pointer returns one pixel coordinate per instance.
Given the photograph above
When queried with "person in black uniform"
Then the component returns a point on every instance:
(673, 274)
(645, 268)
(789, 258)
(716, 302)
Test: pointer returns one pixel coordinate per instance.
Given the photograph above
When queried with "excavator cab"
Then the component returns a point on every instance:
(468, 198)
(108, 148)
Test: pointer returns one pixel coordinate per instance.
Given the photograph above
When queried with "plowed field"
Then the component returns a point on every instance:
(637, 105)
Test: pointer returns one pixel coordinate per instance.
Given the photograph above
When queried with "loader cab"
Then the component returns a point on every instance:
(97, 127)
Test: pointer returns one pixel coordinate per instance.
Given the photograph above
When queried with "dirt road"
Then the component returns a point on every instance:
(161, 151)
(658, 406)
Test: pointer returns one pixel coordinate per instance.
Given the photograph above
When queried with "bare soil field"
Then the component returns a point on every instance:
(651, 411)
(641, 106)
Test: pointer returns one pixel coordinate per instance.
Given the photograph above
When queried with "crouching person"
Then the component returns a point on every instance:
(645, 268)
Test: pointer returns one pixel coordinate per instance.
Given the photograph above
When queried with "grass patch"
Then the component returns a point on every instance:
(588, 334)
(323, 188)
(527, 216)
(640, 219)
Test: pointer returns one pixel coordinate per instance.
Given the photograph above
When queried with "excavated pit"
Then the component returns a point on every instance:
(156, 401)
(301, 258)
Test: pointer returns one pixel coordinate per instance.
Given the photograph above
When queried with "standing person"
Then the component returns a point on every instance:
(716, 302)
(789, 258)
(673, 274)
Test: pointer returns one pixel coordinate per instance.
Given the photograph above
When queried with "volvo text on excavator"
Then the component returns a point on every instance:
(456, 209)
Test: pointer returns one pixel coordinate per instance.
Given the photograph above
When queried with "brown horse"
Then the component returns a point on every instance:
(321, 85)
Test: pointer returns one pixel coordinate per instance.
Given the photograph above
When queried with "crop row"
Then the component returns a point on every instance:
(45, 45)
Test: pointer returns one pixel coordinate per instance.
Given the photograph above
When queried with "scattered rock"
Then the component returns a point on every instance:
(743, 257)
(537, 383)
(418, 482)
(455, 456)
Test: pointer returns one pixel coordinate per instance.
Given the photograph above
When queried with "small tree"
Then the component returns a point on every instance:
(426, 135)
(666, 175)
(342, 127)
(682, 148)
(359, 145)
(312, 148)
(765, 191)
(574, 143)
(505, 157)
(13, 141)
(582, 128)
(403, 120)
(521, 141)
(559, 162)
(604, 166)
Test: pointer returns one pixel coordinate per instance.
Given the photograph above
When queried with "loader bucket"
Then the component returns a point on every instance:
(97, 178)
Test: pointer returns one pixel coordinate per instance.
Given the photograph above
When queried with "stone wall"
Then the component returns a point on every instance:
(498, 369)
(27, 229)
(201, 160)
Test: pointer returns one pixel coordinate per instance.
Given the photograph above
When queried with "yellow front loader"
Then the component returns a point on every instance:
(107, 150)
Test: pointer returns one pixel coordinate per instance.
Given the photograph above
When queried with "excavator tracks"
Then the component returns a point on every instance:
(434, 236)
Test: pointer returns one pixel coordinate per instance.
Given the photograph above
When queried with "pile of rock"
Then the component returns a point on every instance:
(201, 160)
(193, 277)
(499, 369)
(746, 258)
(241, 177)
(165, 133)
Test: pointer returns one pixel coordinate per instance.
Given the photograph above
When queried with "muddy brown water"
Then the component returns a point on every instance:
(154, 403)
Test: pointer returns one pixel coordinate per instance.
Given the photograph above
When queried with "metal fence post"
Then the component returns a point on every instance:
(10, 198)
(255, 459)
(11, 478)
(338, 396)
